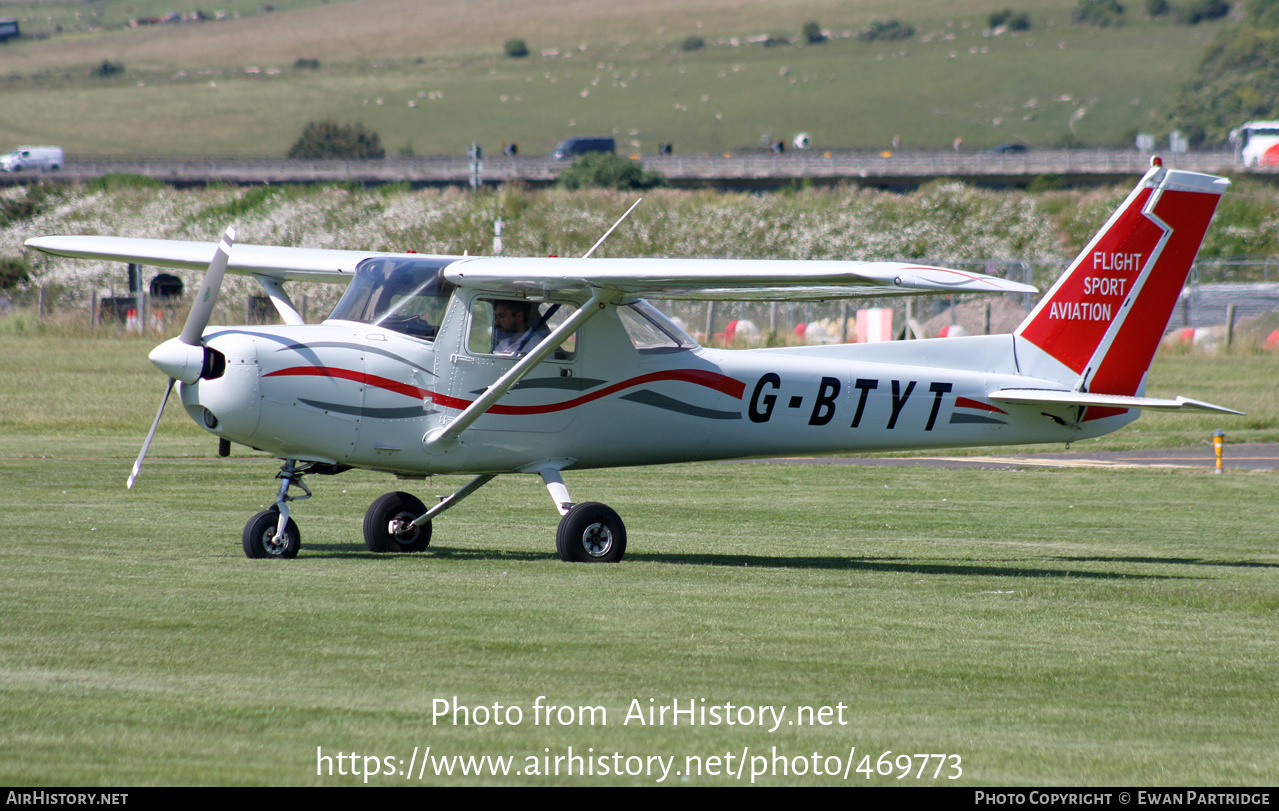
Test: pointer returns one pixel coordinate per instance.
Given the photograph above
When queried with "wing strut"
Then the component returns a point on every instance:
(283, 304)
(440, 439)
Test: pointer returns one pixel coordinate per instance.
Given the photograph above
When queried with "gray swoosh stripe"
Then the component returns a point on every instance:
(958, 419)
(375, 413)
(652, 398)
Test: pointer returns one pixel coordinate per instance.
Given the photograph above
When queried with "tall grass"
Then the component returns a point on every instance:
(943, 222)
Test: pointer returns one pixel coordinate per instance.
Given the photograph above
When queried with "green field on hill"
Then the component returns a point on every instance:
(432, 79)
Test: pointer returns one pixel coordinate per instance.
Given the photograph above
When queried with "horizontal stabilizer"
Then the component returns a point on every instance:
(1083, 398)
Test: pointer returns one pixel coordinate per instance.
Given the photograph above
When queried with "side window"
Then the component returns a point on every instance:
(513, 327)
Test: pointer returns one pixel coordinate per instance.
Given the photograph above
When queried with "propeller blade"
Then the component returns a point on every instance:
(137, 466)
(207, 295)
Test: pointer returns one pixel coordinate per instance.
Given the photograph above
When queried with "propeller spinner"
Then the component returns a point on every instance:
(186, 358)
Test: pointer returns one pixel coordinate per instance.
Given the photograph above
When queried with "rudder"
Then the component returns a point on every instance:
(1100, 324)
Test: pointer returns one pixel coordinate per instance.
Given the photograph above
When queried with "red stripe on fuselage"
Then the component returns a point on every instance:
(711, 380)
(964, 402)
(358, 377)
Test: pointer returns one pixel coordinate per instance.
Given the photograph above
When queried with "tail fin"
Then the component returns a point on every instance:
(1100, 324)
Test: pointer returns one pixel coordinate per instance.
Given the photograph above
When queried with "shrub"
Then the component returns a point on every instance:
(13, 272)
(1158, 8)
(1046, 182)
(303, 63)
(1237, 81)
(23, 208)
(604, 170)
(516, 48)
(328, 139)
(1204, 10)
(108, 68)
(692, 42)
(1012, 20)
(1101, 13)
(885, 31)
(122, 180)
(813, 33)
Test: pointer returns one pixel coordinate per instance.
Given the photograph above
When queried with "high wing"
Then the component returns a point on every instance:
(707, 279)
(281, 264)
(702, 279)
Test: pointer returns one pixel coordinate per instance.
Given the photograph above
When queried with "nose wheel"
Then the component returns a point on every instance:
(262, 538)
(272, 533)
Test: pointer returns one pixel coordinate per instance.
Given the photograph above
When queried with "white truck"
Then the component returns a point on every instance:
(41, 158)
(1257, 143)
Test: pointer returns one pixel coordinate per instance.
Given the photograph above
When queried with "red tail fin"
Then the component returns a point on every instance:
(1103, 319)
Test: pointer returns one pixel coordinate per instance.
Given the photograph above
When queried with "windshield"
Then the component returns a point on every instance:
(406, 295)
(650, 331)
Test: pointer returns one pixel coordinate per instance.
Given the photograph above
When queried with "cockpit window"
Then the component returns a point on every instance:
(515, 327)
(402, 294)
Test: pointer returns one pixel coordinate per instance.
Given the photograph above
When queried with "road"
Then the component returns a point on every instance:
(746, 170)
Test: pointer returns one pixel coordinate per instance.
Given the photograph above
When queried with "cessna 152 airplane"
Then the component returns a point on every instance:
(486, 365)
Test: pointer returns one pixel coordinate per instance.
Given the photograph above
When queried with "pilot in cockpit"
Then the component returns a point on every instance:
(512, 334)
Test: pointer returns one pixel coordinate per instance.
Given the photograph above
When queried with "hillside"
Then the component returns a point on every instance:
(433, 77)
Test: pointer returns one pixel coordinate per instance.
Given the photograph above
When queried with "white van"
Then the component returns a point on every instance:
(42, 158)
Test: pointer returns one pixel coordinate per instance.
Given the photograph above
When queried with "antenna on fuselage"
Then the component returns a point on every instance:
(611, 230)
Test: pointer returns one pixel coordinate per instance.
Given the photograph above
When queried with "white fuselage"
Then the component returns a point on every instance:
(361, 395)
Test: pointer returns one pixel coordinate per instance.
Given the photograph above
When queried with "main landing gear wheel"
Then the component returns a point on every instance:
(260, 540)
(591, 533)
(386, 525)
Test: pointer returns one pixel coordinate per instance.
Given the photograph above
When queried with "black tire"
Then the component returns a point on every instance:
(591, 533)
(378, 536)
(260, 541)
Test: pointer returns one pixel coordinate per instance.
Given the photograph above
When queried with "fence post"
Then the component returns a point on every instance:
(1230, 325)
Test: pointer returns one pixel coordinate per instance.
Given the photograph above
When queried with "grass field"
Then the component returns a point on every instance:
(433, 78)
(1049, 627)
